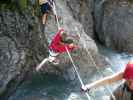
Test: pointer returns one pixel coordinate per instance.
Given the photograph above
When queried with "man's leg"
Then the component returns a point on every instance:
(41, 64)
(54, 60)
(53, 57)
(44, 18)
(45, 10)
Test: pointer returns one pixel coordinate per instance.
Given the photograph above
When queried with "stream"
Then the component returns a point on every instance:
(52, 87)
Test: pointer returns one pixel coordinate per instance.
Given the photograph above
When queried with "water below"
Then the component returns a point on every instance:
(52, 87)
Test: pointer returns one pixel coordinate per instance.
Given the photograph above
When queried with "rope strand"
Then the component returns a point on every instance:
(58, 24)
(55, 12)
(54, 9)
(98, 70)
(77, 72)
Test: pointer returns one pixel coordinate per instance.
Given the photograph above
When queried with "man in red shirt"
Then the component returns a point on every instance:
(58, 45)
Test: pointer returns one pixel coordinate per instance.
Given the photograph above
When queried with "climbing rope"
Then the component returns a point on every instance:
(75, 68)
(54, 9)
(55, 12)
(97, 68)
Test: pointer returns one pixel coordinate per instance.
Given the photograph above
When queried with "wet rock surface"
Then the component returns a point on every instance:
(114, 23)
(20, 46)
(82, 11)
(85, 56)
(23, 46)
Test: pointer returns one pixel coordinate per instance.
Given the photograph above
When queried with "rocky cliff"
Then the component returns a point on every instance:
(114, 23)
(82, 10)
(23, 45)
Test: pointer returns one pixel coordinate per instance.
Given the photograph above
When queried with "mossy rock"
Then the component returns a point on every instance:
(131, 1)
(13, 5)
(23, 4)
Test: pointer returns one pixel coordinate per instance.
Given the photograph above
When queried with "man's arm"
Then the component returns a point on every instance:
(107, 80)
(57, 36)
(74, 36)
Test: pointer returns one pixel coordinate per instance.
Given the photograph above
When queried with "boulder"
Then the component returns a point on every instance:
(22, 44)
(114, 24)
(82, 11)
(84, 57)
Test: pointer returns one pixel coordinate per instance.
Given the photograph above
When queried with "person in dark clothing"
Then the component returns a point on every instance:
(122, 92)
(46, 6)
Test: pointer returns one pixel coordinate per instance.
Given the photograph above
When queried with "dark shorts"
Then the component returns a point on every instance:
(45, 8)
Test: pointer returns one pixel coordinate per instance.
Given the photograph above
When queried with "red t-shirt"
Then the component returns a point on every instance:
(56, 46)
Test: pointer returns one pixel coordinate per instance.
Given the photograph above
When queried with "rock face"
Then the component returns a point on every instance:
(87, 46)
(21, 45)
(114, 23)
(82, 11)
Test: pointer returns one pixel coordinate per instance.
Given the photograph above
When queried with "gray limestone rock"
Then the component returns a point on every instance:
(23, 45)
(114, 23)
